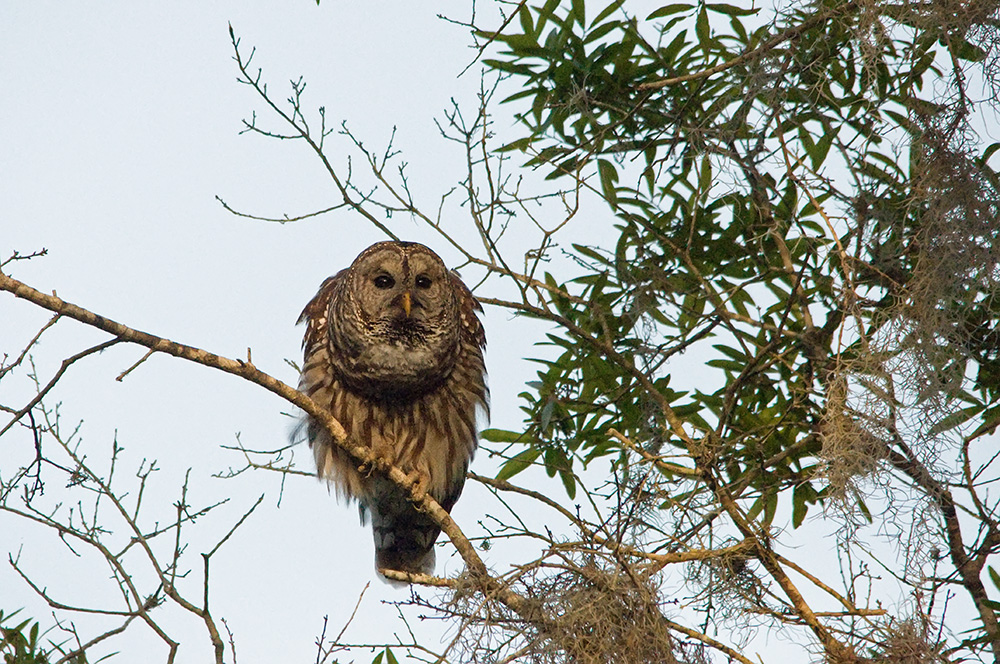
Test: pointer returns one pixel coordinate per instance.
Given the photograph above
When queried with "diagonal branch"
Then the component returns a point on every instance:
(488, 584)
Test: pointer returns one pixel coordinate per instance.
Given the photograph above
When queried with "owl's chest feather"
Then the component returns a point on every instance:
(395, 362)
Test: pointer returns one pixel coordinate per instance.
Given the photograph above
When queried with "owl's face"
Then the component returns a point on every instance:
(396, 323)
(402, 289)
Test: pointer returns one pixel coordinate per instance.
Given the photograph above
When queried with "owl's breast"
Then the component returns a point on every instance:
(397, 368)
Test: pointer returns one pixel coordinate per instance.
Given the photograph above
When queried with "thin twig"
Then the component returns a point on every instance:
(55, 378)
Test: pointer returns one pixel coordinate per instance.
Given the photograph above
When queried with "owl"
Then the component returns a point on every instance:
(394, 349)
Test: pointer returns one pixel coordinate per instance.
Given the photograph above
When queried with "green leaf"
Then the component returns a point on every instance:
(755, 509)
(545, 417)
(823, 148)
(727, 365)
(705, 176)
(547, 12)
(609, 178)
(770, 507)
(569, 483)
(591, 253)
(509, 67)
(517, 463)
(767, 503)
(730, 10)
(955, 419)
(607, 11)
(703, 31)
(965, 50)
(501, 436)
(802, 496)
(524, 15)
(864, 510)
(596, 33)
(520, 145)
(667, 10)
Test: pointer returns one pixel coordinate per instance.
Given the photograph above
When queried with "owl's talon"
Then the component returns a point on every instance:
(380, 457)
(421, 481)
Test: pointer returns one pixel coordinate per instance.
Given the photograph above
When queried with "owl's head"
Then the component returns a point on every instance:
(395, 325)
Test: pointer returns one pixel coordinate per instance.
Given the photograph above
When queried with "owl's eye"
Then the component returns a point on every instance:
(423, 282)
(384, 282)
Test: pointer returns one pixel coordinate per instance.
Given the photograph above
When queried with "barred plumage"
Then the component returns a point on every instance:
(394, 348)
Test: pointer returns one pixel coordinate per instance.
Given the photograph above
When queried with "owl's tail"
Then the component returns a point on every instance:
(407, 547)
(404, 537)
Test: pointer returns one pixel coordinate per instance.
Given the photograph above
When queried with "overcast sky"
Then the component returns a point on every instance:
(119, 124)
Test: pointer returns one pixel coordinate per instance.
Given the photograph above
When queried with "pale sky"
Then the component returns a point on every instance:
(118, 127)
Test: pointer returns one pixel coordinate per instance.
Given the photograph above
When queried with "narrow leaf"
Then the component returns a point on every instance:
(667, 10)
(516, 464)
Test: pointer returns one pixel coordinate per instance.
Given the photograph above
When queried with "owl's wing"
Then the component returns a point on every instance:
(472, 328)
(315, 313)
(315, 374)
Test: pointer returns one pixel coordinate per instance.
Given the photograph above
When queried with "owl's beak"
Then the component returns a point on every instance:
(407, 303)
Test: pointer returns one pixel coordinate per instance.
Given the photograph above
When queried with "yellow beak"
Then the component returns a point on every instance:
(407, 303)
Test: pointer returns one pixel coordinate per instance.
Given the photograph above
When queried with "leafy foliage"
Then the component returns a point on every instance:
(801, 199)
(734, 226)
(19, 642)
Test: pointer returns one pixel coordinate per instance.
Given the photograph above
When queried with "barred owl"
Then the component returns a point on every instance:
(394, 349)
